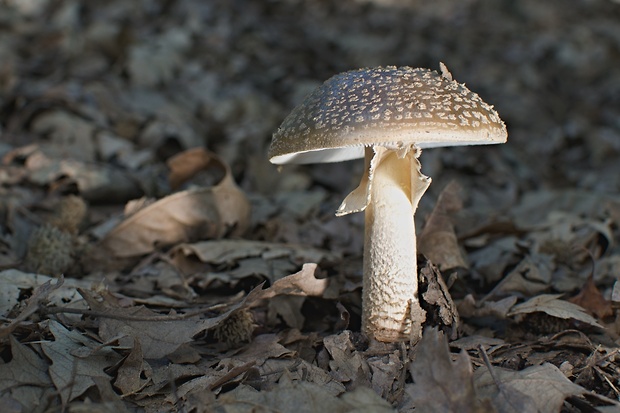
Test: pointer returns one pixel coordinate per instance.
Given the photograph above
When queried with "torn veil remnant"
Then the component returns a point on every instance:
(387, 115)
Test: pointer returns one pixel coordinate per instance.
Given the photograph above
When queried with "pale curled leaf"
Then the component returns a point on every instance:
(553, 306)
(187, 164)
(190, 215)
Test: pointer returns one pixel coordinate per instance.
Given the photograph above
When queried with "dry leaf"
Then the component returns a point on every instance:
(25, 385)
(186, 164)
(388, 375)
(302, 397)
(95, 182)
(25, 368)
(134, 373)
(440, 309)
(553, 306)
(76, 360)
(438, 240)
(245, 258)
(537, 389)
(190, 215)
(347, 365)
(440, 384)
(591, 299)
(157, 338)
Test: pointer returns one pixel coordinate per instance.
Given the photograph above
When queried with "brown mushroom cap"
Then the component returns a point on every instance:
(392, 107)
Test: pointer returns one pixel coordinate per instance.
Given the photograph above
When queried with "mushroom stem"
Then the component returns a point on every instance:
(391, 309)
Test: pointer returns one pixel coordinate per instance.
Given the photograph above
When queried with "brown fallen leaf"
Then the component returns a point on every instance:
(347, 365)
(440, 384)
(134, 373)
(76, 360)
(157, 338)
(552, 305)
(438, 240)
(241, 259)
(190, 215)
(186, 164)
(26, 368)
(536, 389)
(591, 298)
(302, 397)
(440, 309)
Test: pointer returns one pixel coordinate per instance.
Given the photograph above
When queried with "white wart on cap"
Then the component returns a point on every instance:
(384, 106)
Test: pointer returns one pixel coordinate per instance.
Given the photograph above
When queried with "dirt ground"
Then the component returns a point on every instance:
(153, 260)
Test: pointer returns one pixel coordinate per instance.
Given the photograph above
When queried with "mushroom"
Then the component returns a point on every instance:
(386, 115)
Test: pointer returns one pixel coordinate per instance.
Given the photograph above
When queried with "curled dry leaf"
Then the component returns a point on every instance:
(440, 309)
(553, 306)
(187, 164)
(591, 298)
(438, 240)
(193, 214)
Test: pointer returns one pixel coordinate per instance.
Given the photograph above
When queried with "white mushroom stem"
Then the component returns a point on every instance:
(391, 309)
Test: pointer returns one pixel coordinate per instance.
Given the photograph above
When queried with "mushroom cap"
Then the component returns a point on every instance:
(392, 107)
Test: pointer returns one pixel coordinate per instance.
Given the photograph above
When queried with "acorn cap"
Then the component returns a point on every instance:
(391, 107)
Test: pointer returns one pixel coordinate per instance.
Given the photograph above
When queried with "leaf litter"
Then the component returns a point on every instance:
(152, 260)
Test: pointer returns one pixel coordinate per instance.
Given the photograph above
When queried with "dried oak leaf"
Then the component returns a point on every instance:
(76, 360)
(134, 373)
(190, 215)
(347, 365)
(440, 384)
(25, 385)
(536, 389)
(157, 337)
(26, 368)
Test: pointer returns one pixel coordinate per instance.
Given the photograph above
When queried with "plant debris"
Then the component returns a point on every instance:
(153, 260)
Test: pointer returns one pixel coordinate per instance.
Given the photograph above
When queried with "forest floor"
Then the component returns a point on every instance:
(153, 260)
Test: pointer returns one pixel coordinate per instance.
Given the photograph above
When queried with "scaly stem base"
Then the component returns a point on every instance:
(391, 309)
